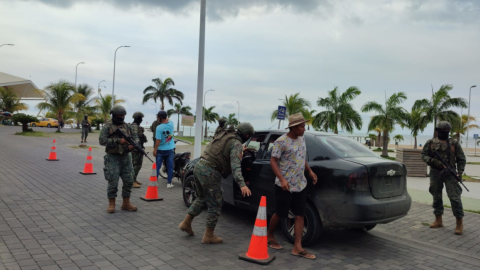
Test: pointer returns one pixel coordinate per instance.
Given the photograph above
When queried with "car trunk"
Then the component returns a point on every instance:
(386, 178)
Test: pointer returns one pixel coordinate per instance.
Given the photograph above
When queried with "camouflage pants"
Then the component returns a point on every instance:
(137, 161)
(84, 133)
(208, 183)
(454, 193)
(115, 167)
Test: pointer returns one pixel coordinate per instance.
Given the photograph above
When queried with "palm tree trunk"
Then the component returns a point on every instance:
(415, 146)
(385, 144)
(178, 122)
(60, 119)
(205, 136)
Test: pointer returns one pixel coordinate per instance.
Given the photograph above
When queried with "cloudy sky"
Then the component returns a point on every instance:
(257, 51)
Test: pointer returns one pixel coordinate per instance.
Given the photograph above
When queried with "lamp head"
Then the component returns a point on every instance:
(473, 86)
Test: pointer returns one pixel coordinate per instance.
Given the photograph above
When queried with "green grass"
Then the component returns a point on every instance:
(189, 139)
(31, 134)
(380, 150)
(473, 163)
(467, 178)
(391, 158)
(466, 210)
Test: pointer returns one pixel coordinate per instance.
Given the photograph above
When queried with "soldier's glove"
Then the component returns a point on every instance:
(437, 164)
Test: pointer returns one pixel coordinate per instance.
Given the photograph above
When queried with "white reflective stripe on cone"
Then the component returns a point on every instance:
(89, 153)
(53, 150)
(259, 231)
(262, 213)
(152, 183)
(154, 173)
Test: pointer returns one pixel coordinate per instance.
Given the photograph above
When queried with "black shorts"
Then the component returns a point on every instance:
(286, 200)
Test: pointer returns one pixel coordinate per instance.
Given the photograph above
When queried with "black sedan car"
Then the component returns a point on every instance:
(356, 188)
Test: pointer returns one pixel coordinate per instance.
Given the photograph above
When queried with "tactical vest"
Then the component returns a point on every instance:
(442, 149)
(218, 151)
(119, 149)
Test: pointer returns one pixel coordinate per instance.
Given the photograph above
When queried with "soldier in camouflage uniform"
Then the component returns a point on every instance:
(451, 151)
(85, 128)
(118, 160)
(221, 125)
(221, 158)
(137, 158)
(153, 128)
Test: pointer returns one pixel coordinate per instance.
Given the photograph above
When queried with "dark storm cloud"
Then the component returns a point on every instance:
(216, 9)
(444, 12)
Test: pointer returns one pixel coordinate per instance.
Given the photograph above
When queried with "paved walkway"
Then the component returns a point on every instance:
(52, 217)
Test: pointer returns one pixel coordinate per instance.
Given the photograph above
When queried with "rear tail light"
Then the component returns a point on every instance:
(358, 181)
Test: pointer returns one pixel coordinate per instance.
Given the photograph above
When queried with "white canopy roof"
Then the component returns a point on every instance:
(25, 89)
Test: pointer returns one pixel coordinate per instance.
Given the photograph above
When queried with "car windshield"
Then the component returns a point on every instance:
(345, 147)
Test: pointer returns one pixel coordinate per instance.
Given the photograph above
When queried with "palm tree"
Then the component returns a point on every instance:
(294, 104)
(373, 138)
(438, 108)
(416, 121)
(60, 98)
(210, 117)
(309, 117)
(231, 120)
(179, 110)
(379, 136)
(104, 105)
(84, 106)
(163, 91)
(398, 138)
(339, 111)
(10, 102)
(461, 129)
(386, 116)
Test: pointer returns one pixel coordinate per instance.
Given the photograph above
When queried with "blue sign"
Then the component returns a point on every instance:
(475, 136)
(281, 112)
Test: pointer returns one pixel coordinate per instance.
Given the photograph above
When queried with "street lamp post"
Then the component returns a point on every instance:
(114, 62)
(238, 111)
(98, 88)
(468, 118)
(76, 70)
(203, 110)
(201, 60)
(7, 45)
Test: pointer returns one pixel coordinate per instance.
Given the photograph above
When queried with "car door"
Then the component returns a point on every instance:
(261, 178)
(42, 122)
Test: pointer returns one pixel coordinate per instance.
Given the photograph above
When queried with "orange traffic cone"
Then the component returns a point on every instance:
(258, 250)
(152, 189)
(53, 153)
(88, 169)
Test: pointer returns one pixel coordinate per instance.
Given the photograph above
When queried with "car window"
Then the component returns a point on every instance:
(345, 147)
(268, 152)
(256, 142)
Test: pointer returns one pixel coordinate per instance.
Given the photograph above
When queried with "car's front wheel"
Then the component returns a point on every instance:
(33, 125)
(49, 126)
(189, 190)
(311, 229)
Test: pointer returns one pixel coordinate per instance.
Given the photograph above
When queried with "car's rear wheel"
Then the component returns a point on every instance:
(189, 190)
(49, 126)
(33, 125)
(312, 226)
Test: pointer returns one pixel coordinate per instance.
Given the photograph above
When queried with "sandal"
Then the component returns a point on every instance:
(304, 254)
(272, 243)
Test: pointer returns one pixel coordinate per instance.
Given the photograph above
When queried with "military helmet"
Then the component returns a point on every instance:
(443, 125)
(86, 115)
(245, 128)
(137, 115)
(118, 110)
(222, 121)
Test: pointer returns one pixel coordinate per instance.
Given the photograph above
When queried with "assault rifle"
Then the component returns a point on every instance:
(448, 169)
(130, 141)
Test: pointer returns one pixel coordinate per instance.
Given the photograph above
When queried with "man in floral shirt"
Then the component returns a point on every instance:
(289, 165)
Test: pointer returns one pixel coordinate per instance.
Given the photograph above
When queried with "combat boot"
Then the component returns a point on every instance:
(126, 205)
(210, 238)
(135, 185)
(186, 224)
(111, 205)
(437, 223)
(459, 228)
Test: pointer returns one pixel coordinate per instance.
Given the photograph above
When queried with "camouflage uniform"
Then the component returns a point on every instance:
(118, 160)
(208, 180)
(137, 158)
(437, 179)
(85, 127)
(153, 128)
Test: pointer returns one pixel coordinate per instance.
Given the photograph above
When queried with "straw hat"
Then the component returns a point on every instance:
(295, 120)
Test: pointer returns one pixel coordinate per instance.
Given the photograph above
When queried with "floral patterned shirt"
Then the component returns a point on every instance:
(291, 161)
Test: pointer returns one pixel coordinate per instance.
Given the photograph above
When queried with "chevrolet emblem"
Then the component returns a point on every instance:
(391, 173)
